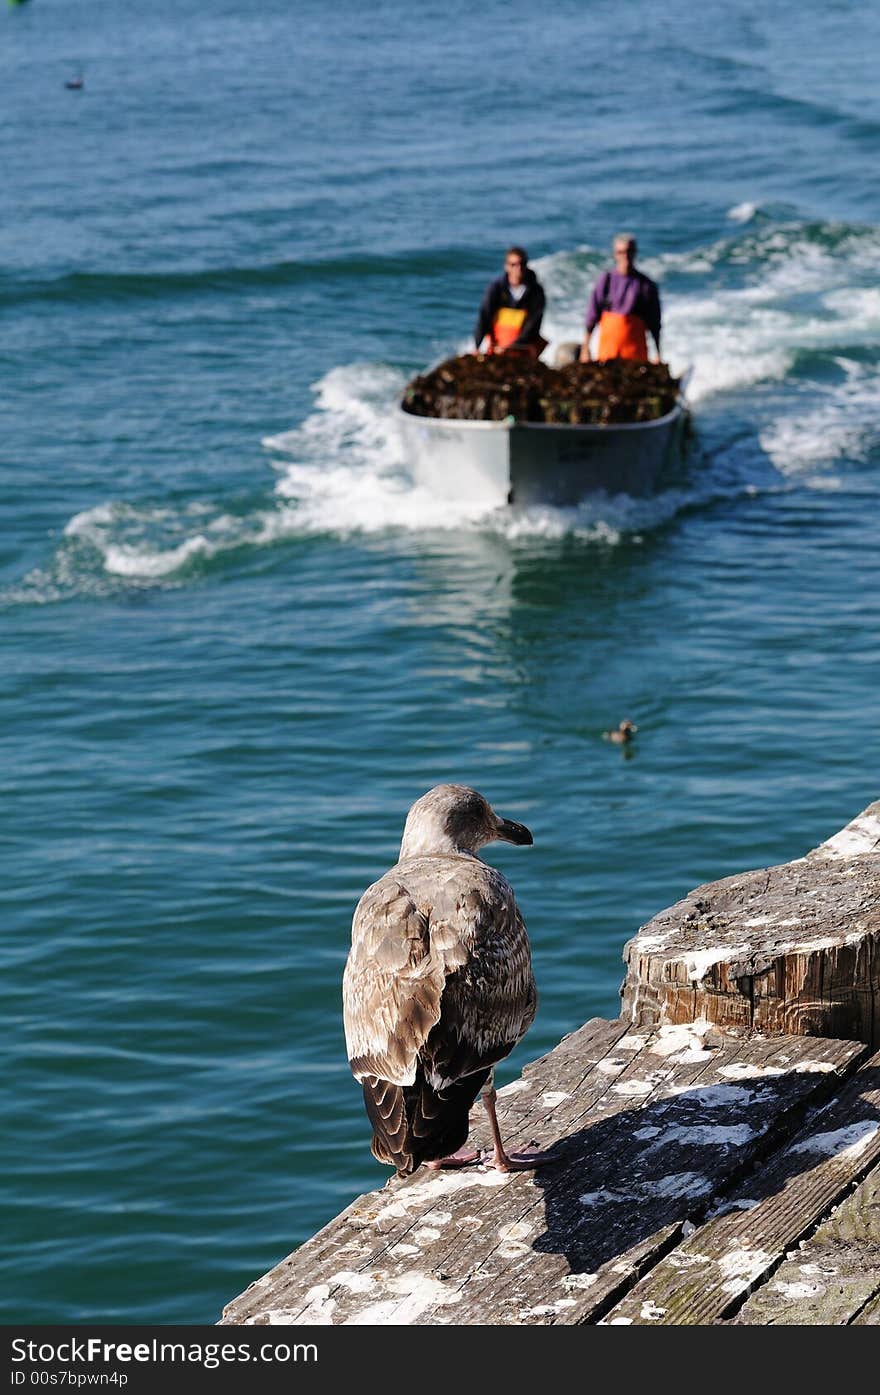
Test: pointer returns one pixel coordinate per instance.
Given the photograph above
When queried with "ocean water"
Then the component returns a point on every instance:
(237, 641)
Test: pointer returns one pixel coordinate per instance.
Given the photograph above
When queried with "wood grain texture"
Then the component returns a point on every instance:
(793, 948)
(834, 1277)
(651, 1126)
(710, 1275)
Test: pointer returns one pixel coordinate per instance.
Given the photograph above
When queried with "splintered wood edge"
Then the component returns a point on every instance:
(817, 982)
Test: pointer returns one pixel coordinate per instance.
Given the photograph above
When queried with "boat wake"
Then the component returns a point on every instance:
(345, 470)
(780, 322)
(742, 311)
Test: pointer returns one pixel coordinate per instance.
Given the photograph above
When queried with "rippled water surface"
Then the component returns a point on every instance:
(238, 641)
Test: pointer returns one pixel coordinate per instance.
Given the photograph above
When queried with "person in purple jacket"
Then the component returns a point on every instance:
(625, 304)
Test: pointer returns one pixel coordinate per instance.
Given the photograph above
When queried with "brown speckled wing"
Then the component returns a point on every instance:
(392, 985)
(489, 1000)
(416, 1123)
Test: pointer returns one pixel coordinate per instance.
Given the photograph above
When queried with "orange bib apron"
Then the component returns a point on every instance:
(508, 323)
(622, 336)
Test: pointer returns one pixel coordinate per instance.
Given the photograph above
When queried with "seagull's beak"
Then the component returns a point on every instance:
(510, 832)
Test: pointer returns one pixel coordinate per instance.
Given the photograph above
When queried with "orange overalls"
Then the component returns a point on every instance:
(506, 326)
(622, 336)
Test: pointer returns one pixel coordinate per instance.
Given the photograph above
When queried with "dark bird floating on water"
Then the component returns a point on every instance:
(75, 83)
(438, 986)
(622, 733)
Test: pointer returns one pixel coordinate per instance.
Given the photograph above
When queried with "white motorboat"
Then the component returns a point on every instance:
(524, 462)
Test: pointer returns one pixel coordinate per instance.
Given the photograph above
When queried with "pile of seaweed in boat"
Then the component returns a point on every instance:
(493, 387)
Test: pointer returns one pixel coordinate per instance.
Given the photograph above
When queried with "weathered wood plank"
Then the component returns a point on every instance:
(709, 1275)
(633, 1076)
(793, 949)
(833, 1276)
(653, 1124)
(869, 1316)
(698, 1137)
(377, 1221)
(660, 1065)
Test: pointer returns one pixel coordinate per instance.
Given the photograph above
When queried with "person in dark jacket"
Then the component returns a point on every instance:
(625, 304)
(511, 309)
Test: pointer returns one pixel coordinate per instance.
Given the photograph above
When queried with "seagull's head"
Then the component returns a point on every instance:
(453, 819)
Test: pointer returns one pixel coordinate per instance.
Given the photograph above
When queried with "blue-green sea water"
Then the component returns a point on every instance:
(237, 641)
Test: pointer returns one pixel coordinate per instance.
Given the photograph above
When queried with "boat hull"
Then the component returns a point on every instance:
(543, 463)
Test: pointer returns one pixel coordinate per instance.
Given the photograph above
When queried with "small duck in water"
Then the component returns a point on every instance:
(623, 733)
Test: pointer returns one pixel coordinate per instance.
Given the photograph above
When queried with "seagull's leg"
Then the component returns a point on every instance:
(501, 1159)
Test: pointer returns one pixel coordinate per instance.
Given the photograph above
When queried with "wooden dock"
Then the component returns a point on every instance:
(706, 1171)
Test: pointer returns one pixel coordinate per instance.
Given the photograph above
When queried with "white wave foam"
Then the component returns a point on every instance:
(146, 543)
(352, 403)
(349, 474)
(742, 212)
(134, 561)
(776, 257)
(858, 308)
(842, 423)
(83, 524)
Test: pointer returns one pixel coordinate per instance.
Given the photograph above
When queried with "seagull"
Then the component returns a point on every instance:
(438, 986)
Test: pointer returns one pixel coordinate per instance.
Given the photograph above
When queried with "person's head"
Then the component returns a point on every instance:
(515, 262)
(624, 249)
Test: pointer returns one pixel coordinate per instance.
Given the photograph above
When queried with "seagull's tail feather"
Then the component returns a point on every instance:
(415, 1123)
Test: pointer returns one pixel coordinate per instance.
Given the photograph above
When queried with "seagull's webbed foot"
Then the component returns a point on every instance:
(499, 1158)
(523, 1160)
(462, 1158)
